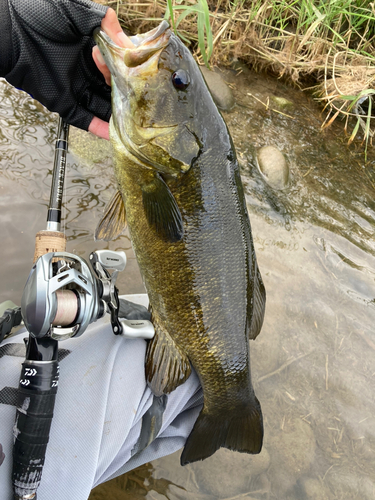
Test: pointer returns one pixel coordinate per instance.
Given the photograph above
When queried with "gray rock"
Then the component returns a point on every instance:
(227, 473)
(220, 91)
(273, 167)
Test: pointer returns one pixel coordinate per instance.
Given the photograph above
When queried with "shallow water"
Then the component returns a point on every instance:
(313, 364)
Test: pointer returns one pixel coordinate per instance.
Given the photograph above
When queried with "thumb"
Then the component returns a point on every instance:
(110, 24)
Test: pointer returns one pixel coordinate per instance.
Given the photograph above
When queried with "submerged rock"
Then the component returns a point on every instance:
(312, 488)
(227, 473)
(273, 167)
(281, 103)
(267, 350)
(220, 91)
(292, 453)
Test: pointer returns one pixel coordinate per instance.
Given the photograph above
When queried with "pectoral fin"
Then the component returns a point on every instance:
(166, 365)
(161, 209)
(113, 222)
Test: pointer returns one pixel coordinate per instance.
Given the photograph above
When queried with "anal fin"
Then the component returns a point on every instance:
(113, 222)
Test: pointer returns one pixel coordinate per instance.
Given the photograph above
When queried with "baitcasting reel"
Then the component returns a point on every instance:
(63, 295)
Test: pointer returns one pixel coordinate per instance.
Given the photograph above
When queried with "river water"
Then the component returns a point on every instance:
(313, 365)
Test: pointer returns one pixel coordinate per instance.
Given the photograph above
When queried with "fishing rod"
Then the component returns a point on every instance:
(40, 370)
(52, 239)
(62, 296)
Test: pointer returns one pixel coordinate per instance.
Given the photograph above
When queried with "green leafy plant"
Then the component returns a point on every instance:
(327, 43)
(201, 10)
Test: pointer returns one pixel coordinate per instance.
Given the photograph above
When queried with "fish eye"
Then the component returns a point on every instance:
(180, 79)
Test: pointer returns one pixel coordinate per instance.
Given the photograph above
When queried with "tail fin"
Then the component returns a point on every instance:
(238, 431)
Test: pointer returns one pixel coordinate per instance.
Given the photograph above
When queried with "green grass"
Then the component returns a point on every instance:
(331, 41)
(199, 10)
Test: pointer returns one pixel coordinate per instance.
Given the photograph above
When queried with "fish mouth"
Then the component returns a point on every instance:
(128, 67)
(147, 49)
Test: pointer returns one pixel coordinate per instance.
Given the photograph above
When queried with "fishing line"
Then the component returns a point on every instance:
(67, 307)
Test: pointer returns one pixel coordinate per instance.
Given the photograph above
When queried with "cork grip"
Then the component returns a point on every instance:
(49, 241)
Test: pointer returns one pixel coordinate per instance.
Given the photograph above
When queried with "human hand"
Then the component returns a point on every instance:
(111, 26)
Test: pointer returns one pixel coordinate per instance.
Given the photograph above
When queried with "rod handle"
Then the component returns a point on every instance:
(35, 405)
(49, 241)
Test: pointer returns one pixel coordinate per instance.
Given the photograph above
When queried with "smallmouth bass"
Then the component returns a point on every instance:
(180, 192)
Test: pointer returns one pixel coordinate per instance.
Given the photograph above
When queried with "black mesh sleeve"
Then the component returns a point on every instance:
(5, 39)
(50, 44)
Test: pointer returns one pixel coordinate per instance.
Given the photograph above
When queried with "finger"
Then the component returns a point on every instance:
(101, 65)
(111, 26)
(99, 127)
